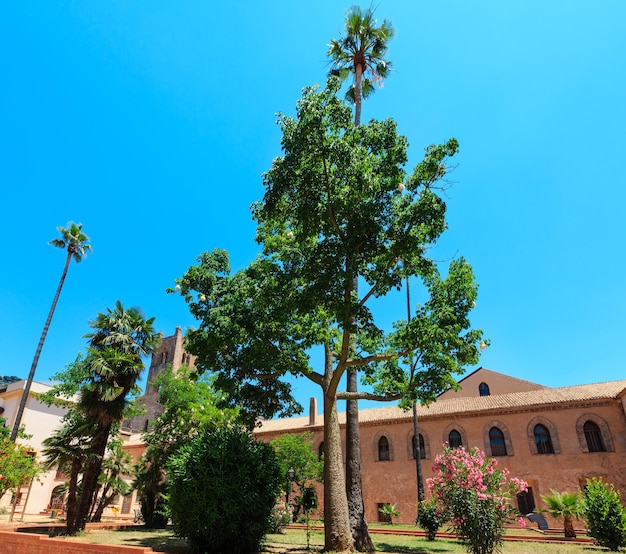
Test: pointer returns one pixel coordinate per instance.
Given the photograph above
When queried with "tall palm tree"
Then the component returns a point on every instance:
(75, 242)
(359, 53)
(120, 338)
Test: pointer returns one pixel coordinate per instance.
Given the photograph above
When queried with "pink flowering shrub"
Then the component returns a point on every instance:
(475, 496)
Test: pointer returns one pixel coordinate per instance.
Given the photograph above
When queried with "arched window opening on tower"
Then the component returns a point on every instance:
(383, 449)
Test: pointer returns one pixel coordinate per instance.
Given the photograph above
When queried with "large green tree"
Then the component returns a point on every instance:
(360, 54)
(333, 209)
(75, 242)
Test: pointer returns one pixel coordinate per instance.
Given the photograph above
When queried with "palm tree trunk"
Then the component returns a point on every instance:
(354, 481)
(568, 525)
(102, 504)
(33, 367)
(72, 501)
(358, 74)
(90, 478)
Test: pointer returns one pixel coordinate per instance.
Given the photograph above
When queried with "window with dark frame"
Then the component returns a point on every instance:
(422, 448)
(543, 440)
(454, 439)
(382, 517)
(593, 436)
(526, 501)
(383, 449)
(497, 443)
(483, 389)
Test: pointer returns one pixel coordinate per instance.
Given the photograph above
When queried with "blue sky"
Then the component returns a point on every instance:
(152, 122)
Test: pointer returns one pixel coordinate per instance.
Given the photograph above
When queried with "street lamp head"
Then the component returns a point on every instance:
(292, 473)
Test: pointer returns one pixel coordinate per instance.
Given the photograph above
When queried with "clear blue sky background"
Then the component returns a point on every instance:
(152, 122)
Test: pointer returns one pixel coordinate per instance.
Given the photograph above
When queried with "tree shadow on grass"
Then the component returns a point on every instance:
(162, 540)
(418, 549)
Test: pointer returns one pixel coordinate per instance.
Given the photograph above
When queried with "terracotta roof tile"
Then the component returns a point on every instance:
(516, 400)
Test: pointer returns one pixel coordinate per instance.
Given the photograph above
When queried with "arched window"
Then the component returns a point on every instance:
(496, 440)
(483, 389)
(164, 356)
(543, 440)
(593, 436)
(454, 439)
(422, 447)
(383, 449)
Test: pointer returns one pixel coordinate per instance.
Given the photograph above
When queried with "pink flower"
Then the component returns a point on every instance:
(522, 522)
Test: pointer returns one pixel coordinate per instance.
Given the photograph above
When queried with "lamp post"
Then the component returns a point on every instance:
(292, 473)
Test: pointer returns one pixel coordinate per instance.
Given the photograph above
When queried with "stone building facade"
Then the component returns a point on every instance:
(554, 438)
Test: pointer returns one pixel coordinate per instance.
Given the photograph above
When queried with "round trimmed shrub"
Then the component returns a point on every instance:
(222, 490)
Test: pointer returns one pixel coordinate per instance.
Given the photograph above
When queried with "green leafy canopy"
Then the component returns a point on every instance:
(338, 203)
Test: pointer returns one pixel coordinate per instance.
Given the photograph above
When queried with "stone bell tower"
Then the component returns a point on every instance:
(171, 351)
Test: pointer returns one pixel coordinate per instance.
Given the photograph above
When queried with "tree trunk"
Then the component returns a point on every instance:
(417, 453)
(354, 483)
(33, 367)
(102, 505)
(358, 75)
(90, 478)
(568, 525)
(337, 536)
(72, 501)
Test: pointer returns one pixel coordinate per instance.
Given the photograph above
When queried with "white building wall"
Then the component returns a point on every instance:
(40, 421)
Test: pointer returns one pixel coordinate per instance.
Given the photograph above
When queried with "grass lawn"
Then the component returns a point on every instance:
(293, 541)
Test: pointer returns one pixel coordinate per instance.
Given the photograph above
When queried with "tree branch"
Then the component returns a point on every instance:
(362, 395)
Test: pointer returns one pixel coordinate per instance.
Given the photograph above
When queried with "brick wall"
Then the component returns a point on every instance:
(24, 543)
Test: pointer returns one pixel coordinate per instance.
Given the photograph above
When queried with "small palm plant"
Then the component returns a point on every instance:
(566, 506)
(389, 511)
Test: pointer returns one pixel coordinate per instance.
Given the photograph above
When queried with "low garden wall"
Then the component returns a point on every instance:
(26, 543)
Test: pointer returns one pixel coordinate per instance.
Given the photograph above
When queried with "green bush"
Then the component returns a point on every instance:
(429, 518)
(604, 515)
(223, 487)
